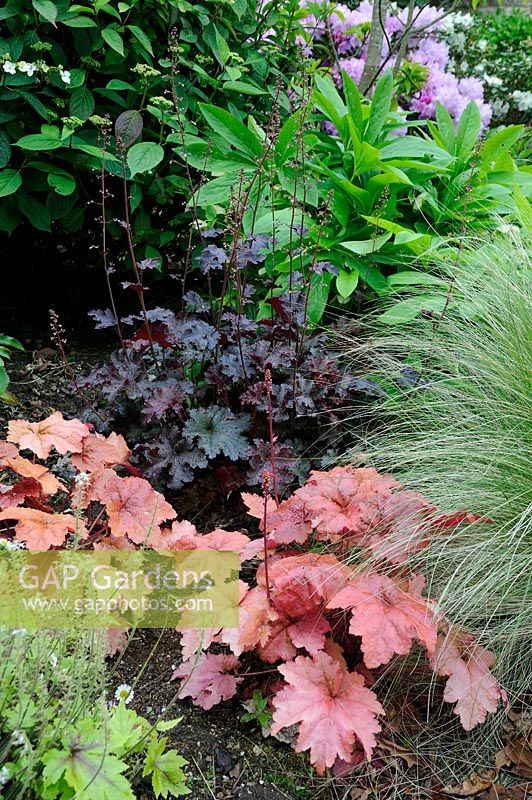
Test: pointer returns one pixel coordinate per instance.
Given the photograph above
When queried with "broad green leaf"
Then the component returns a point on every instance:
(328, 109)
(79, 22)
(380, 107)
(346, 282)
(144, 156)
(410, 278)
(415, 147)
(63, 184)
(46, 9)
(445, 127)
(319, 294)
(10, 341)
(113, 39)
(353, 100)
(243, 87)
(468, 131)
(386, 224)
(5, 149)
(4, 378)
(10, 181)
(141, 37)
(221, 51)
(166, 769)
(364, 248)
(128, 126)
(126, 729)
(327, 88)
(375, 279)
(118, 85)
(417, 242)
(287, 138)
(81, 103)
(407, 310)
(35, 212)
(522, 206)
(233, 131)
(499, 142)
(39, 141)
(89, 770)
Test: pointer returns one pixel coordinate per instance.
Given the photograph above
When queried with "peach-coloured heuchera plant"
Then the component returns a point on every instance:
(332, 599)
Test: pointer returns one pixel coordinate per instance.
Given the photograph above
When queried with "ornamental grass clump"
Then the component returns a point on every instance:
(457, 426)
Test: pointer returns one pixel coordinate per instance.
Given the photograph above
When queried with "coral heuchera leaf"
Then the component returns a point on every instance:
(99, 452)
(332, 707)
(40, 530)
(345, 499)
(470, 683)
(65, 436)
(386, 617)
(208, 680)
(133, 507)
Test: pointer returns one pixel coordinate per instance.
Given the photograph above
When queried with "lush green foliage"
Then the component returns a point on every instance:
(387, 197)
(456, 425)
(71, 72)
(61, 739)
(7, 344)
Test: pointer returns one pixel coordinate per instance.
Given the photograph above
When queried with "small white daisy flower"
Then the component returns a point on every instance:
(9, 67)
(65, 75)
(124, 692)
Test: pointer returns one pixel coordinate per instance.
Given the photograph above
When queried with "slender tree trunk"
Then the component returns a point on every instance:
(376, 37)
(405, 37)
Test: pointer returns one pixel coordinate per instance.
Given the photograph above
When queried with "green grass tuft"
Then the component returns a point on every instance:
(462, 435)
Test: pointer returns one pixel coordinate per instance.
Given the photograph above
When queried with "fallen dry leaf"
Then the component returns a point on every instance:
(393, 749)
(472, 786)
(519, 754)
(510, 793)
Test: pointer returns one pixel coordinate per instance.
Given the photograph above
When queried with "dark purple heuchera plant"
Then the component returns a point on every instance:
(189, 387)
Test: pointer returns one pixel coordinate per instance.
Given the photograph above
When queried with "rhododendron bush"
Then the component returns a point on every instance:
(424, 75)
(325, 625)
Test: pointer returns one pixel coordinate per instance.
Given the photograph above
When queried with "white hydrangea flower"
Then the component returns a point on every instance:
(29, 69)
(65, 75)
(482, 44)
(5, 775)
(124, 692)
(9, 67)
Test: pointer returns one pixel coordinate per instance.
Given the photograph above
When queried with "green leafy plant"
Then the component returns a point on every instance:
(456, 425)
(61, 738)
(258, 711)
(7, 344)
(99, 86)
(388, 198)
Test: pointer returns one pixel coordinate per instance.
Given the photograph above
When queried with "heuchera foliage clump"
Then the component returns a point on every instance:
(323, 625)
(189, 386)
